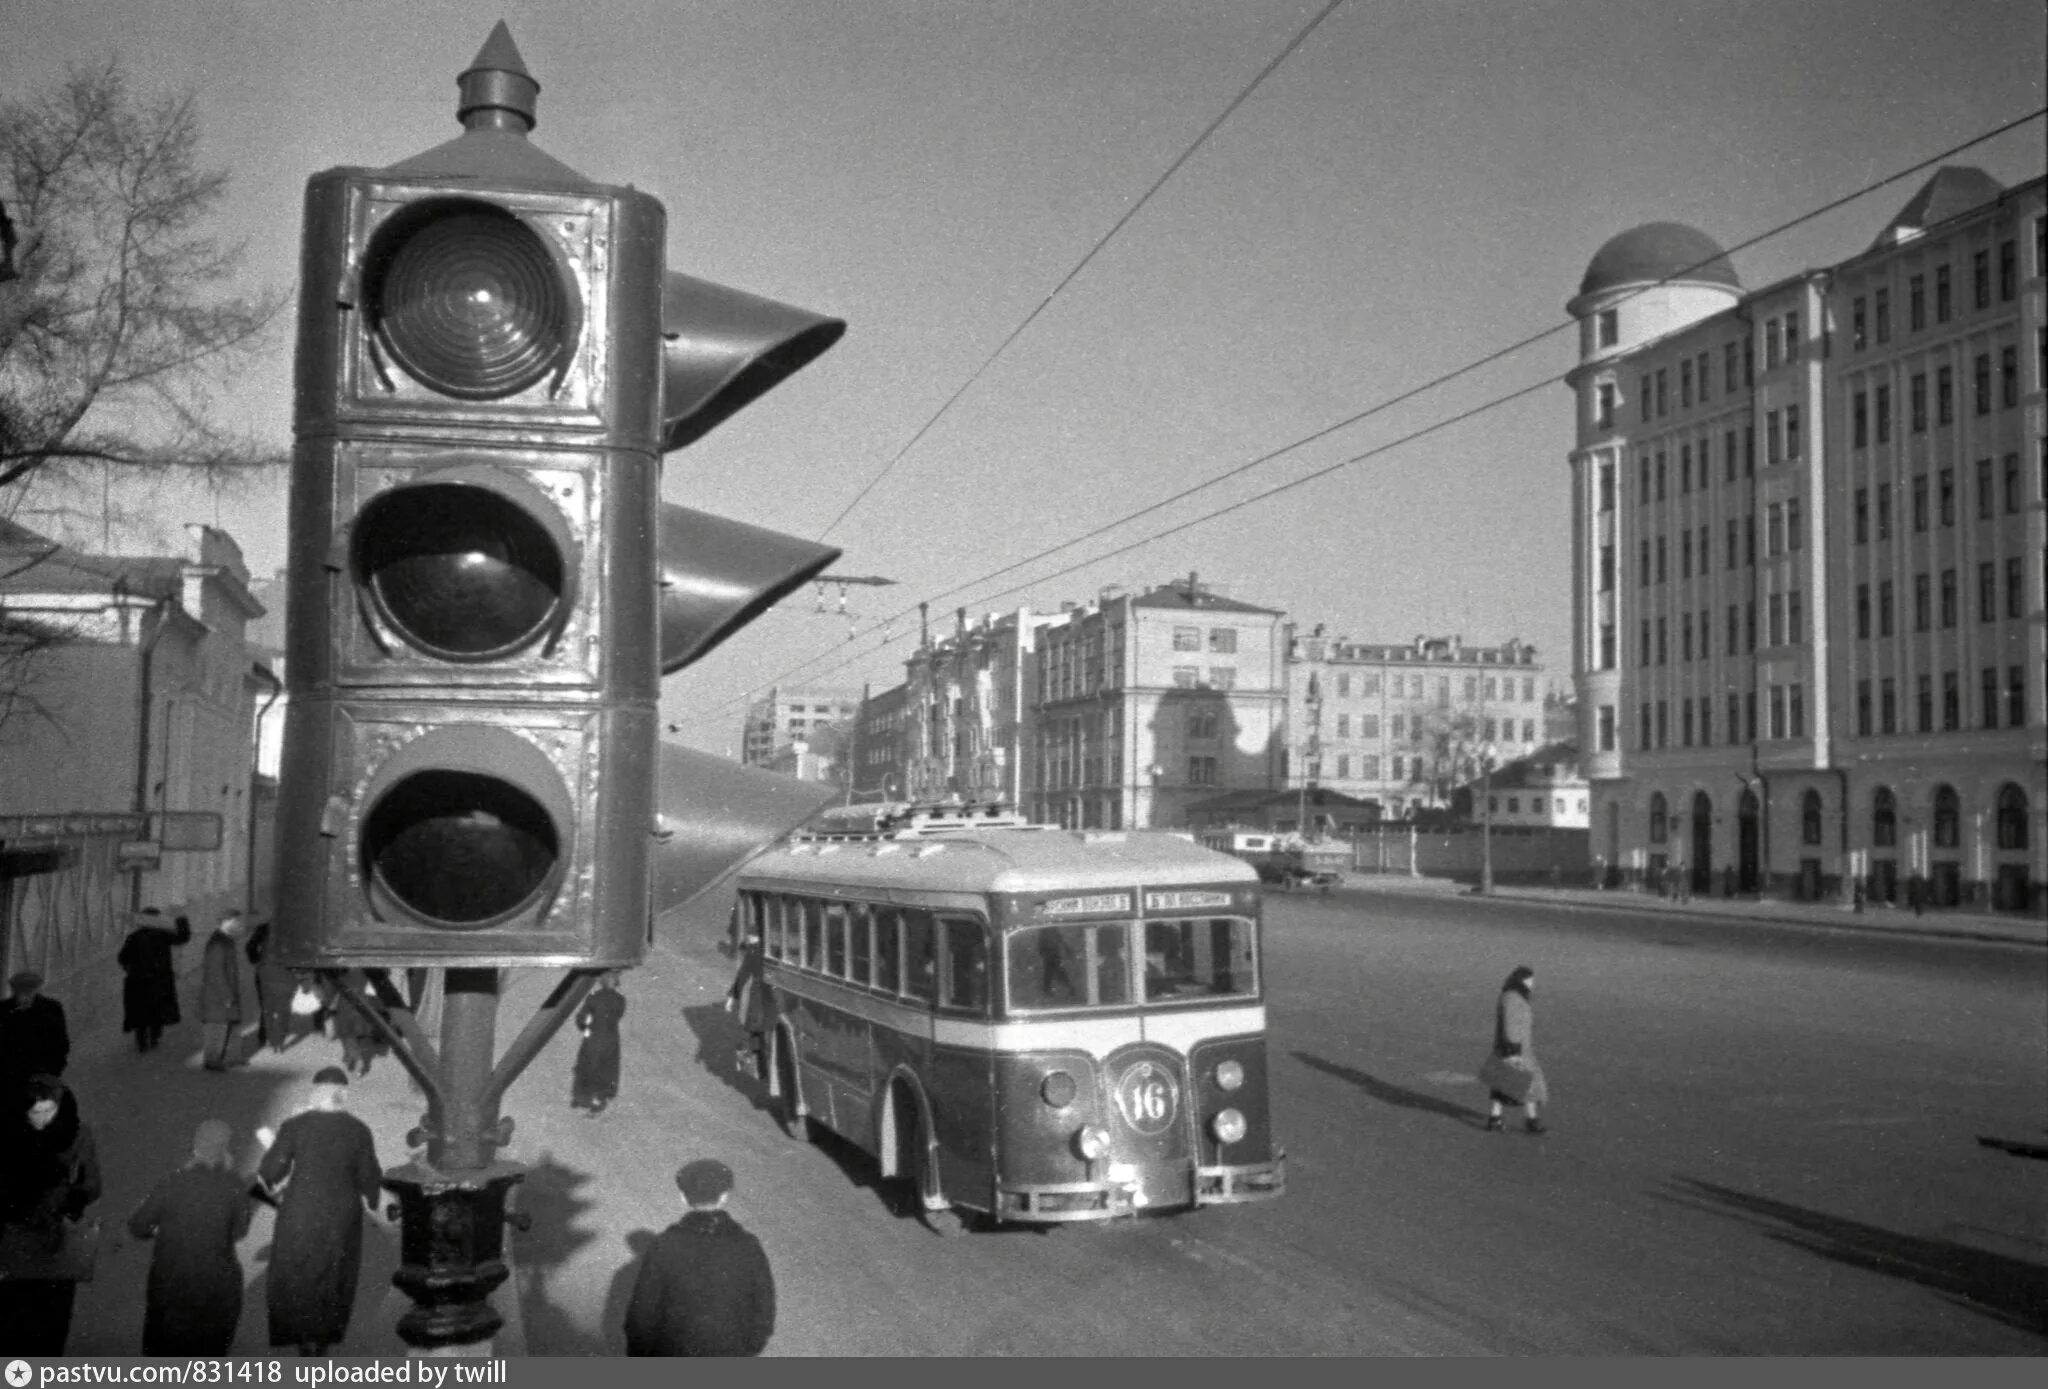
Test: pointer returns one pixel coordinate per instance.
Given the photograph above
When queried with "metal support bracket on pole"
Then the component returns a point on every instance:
(451, 1198)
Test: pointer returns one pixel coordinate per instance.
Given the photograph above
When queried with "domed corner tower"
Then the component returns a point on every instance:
(1643, 284)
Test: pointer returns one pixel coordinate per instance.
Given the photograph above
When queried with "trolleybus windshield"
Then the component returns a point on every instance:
(1092, 965)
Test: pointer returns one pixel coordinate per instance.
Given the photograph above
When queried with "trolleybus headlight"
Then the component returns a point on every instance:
(1094, 1142)
(1229, 1075)
(1228, 1126)
(1058, 1089)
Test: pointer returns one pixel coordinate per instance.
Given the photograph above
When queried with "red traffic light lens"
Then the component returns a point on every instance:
(464, 573)
(469, 300)
(460, 849)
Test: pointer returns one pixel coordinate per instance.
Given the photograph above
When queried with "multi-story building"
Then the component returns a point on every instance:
(128, 701)
(967, 710)
(1150, 703)
(1403, 725)
(790, 714)
(880, 745)
(1936, 547)
(1807, 593)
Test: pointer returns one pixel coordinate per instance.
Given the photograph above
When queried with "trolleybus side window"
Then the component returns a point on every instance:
(835, 939)
(920, 955)
(888, 951)
(1204, 957)
(859, 938)
(966, 973)
(1070, 966)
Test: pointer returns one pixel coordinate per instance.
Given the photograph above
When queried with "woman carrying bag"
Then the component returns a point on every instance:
(1511, 1073)
(49, 1174)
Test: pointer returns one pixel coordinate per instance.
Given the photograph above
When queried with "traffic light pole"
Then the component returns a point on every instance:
(452, 1201)
(486, 591)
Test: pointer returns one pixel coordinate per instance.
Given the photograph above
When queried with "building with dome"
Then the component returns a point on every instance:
(1809, 554)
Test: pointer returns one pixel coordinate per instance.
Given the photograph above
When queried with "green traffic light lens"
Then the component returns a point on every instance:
(460, 849)
(462, 572)
(468, 300)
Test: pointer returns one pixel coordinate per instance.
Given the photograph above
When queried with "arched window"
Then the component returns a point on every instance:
(2012, 817)
(1809, 818)
(1657, 818)
(1884, 819)
(1702, 811)
(1948, 818)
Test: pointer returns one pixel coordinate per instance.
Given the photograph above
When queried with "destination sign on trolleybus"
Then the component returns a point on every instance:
(1182, 901)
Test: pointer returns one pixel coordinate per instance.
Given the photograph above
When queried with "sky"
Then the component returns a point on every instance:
(1415, 186)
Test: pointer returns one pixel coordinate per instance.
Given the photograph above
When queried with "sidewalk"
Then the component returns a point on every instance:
(1950, 923)
(142, 1110)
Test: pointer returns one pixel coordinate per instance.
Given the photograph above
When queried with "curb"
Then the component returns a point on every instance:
(1779, 919)
(1624, 901)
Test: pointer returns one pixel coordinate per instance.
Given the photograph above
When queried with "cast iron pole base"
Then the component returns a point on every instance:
(451, 1251)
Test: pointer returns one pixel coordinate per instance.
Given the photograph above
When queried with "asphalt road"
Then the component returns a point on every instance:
(1763, 1141)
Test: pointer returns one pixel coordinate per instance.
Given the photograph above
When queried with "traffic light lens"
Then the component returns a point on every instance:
(467, 299)
(464, 573)
(460, 849)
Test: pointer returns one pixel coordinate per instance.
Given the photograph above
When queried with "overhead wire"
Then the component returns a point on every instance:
(1079, 266)
(1380, 407)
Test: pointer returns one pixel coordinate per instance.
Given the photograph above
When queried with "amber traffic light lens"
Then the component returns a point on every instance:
(463, 572)
(467, 299)
(460, 849)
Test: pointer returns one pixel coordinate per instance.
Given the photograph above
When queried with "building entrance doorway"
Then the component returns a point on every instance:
(1702, 844)
(1749, 843)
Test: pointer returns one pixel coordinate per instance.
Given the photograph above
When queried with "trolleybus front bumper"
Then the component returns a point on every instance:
(1063, 1202)
(1252, 1181)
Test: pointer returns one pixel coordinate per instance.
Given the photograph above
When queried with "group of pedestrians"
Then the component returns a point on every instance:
(704, 1287)
(319, 1169)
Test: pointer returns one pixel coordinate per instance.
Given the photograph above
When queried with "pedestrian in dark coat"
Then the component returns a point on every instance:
(750, 1001)
(595, 1082)
(149, 985)
(34, 1040)
(220, 993)
(195, 1215)
(705, 1288)
(49, 1174)
(361, 1042)
(274, 989)
(1511, 1073)
(326, 1161)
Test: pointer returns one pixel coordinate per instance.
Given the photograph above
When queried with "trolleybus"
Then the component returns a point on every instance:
(1028, 1024)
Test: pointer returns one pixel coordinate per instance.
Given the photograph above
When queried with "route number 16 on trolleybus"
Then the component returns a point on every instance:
(1030, 1024)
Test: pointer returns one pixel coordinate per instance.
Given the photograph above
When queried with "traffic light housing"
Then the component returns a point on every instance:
(485, 587)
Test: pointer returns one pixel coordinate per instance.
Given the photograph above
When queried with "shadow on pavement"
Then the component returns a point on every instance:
(1395, 1095)
(554, 1196)
(2012, 1290)
(619, 1296)
(718, 1037)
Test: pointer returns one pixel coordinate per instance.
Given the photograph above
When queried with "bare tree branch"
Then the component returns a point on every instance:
(125, 316)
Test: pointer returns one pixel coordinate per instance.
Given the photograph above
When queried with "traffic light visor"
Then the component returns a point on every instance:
(468, 300)
(463, 570)
(718, 575)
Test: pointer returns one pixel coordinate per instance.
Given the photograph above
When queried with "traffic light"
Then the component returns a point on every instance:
(485, 587)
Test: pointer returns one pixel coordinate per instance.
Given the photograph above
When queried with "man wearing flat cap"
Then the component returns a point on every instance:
(705, 1288)
(33, 1038)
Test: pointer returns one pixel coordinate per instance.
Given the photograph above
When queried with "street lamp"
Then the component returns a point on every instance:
(1486, 757)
